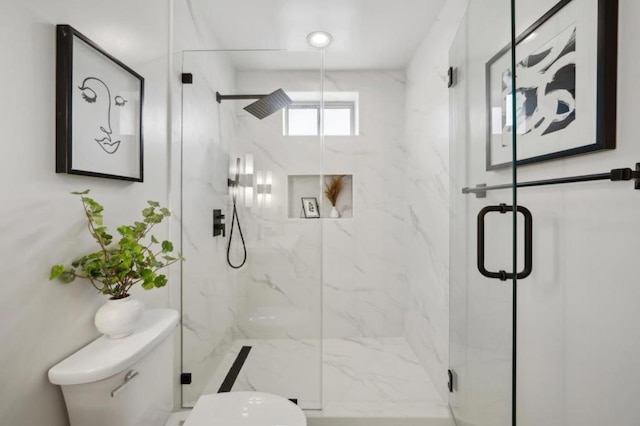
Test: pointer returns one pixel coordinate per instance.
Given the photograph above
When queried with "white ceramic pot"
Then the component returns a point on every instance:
(334, 213)
(118, 318)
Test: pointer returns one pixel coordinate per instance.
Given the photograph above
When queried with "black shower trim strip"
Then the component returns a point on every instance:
(233, 373)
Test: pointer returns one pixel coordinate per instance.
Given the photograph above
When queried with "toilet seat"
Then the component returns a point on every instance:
(245, 409)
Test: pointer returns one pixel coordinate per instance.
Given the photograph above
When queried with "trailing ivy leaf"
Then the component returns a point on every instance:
(124, 230)
(154, 240)
(147, 274)
(140, 228)
(154, 203)
(67, 277)
(147, 285)
(147, 212)
(155, 218)
(56, 271)
(160, 281)
(107, 238)
(85, 192)
(165, 211)
(167, 246)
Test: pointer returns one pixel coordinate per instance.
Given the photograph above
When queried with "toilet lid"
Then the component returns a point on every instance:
(245, 409)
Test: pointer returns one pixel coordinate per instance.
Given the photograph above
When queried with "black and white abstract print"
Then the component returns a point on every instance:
(545, 100)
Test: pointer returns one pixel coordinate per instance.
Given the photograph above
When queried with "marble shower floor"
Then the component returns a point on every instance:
(363, 378)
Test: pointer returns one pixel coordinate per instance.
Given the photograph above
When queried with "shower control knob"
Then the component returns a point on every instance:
(219, 228)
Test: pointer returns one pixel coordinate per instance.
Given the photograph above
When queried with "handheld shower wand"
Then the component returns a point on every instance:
(235, 219)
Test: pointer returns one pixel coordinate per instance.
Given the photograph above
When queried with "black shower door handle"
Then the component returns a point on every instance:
(528, 243)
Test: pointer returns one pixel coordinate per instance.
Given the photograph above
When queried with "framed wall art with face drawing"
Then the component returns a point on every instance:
(565, 96)
(98, 111)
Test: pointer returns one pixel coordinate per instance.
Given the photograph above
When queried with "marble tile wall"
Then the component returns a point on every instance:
(365, 288)
(426, 217)
(282, 278)
(41, 224)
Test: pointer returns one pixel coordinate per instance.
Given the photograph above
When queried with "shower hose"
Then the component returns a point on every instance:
(235, 219)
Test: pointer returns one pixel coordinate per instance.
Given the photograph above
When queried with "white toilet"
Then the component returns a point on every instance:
(128, 382)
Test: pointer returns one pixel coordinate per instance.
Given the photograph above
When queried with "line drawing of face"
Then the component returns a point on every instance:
(96, 92)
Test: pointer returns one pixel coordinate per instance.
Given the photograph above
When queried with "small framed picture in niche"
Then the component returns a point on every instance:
(310, 208)
(98, 111)
(565, 94)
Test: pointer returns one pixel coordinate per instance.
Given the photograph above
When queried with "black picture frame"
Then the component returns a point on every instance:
(310, 208)
(606, 86)
(75, 158)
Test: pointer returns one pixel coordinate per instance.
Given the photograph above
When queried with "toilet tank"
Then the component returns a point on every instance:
(122, 382)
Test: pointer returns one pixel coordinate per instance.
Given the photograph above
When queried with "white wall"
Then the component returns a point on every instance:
(427, 214)
(578, 342)
(40, 223)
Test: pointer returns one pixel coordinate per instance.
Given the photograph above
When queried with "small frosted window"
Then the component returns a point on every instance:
(303, 119)
(338, 121)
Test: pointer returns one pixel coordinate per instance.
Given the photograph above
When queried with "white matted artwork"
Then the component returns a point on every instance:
(99, 111)
(566, 91)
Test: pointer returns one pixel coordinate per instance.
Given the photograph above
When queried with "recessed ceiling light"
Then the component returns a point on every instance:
(319, 39)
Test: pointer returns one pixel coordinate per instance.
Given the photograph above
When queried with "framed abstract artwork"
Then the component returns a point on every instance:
(565, 97)
(98, 111)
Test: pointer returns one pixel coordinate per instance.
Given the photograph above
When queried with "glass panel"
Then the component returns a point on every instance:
(271, 303)
(578, 313)
(481, 314)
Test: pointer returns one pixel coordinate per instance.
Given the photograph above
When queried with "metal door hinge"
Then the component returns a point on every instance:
(187, 78)
(185, 378)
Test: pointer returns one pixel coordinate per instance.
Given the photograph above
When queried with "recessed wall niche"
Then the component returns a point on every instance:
(300, 186)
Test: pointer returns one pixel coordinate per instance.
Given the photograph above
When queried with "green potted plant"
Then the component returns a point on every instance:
(117, 267)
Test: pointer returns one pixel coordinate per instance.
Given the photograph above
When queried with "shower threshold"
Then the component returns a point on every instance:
(365, 381)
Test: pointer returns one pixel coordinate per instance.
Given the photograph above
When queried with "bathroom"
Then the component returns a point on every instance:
(365, 318)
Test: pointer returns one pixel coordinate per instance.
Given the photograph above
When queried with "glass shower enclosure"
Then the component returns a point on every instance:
(318, 311)
(270, 306)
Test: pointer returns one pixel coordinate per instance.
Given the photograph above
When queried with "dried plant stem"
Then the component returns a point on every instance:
(333, 188)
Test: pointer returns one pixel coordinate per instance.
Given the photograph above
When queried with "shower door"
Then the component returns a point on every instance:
(252, 326)
(484, 235)
(558, 346)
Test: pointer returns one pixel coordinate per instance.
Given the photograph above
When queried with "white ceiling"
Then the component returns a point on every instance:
(368, 34)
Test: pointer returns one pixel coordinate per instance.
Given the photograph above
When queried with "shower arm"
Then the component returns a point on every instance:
(221, 98)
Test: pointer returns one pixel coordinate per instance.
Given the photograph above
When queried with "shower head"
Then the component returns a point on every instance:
(269, 104)
(265, 105)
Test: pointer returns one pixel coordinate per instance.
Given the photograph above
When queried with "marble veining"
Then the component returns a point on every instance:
(345, 377)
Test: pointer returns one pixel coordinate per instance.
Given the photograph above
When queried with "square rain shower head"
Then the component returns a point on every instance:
(270, 104)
